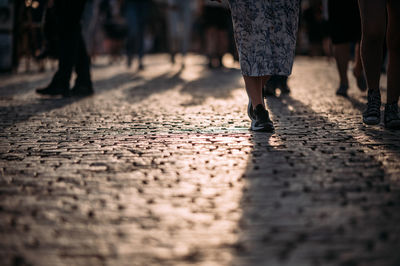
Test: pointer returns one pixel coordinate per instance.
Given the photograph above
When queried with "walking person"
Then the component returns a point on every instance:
(136, 15)
(216, 21)
(344, 30)
(374, 28)
(265, 34)
(179, 18)
(72, 54)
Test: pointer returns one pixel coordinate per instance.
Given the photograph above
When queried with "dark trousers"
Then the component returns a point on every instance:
(136, 13)
(72, 49)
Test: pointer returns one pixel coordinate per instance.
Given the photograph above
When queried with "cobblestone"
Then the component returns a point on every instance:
(159, 168)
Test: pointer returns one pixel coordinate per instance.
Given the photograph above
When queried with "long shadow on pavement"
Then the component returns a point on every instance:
(17, 88)
(388, 139)
(313, 197)
(163, 82)
(13, 114)
(217, 84)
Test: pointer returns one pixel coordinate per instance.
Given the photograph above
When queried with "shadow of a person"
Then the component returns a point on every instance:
(385, 138)
(314, 197)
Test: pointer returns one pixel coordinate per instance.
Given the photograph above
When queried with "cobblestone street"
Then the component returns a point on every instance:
(159, 168)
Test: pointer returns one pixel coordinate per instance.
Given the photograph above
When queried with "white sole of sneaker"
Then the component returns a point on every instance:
(372, 121)
(261, 128)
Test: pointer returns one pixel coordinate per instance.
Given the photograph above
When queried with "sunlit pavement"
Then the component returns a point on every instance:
(159, 168)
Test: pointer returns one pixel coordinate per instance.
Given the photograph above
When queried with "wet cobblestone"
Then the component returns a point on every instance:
(159, 168)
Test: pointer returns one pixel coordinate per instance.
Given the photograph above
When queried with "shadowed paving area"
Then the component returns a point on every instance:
(159, 168)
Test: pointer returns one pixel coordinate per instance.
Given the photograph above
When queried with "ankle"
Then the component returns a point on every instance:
(255, 106)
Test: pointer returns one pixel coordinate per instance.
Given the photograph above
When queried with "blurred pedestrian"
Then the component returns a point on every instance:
(179, 18)
(136, 15)
(265, 33)
(216, 21)
(72, 52)
(315, 26)
(345, 30)
(374, 28)
(50, 33)
(115, 28)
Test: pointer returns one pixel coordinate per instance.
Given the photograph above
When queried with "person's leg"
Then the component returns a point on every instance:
(143, 10)
(270, 85)
(131, 18)
(186, 16)
(83, 82)
(373, 24)
(211, 34)
(392, 118)
(358, 69)
(342, 56)
(254, 89)
(259, 116)
(69, 29)
(393, 44)
(172, 28)
(222, 45)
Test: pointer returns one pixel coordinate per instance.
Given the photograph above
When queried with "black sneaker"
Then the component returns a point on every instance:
(260, 120)
(81, 91)
(391, 116)
(372, 115)
(342, 90)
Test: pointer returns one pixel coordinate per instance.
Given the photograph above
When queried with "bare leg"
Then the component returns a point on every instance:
(373, 22)
(254, 87)
(222, 44)
(342, 56)
(211, 43)
(393, 42)
(358, 69)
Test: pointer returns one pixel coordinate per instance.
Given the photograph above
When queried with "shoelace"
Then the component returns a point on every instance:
(373, 105)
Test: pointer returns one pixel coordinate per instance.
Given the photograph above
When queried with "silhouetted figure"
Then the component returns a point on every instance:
(50, 33)
(313, 19)
(72, 54)
(216, 25)
(179, 20)
(265, 48)
(375, 27)
(136, 14)
(114, 27)
(344, 30)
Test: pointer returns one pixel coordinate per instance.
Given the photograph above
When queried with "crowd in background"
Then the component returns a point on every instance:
(129, 29)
